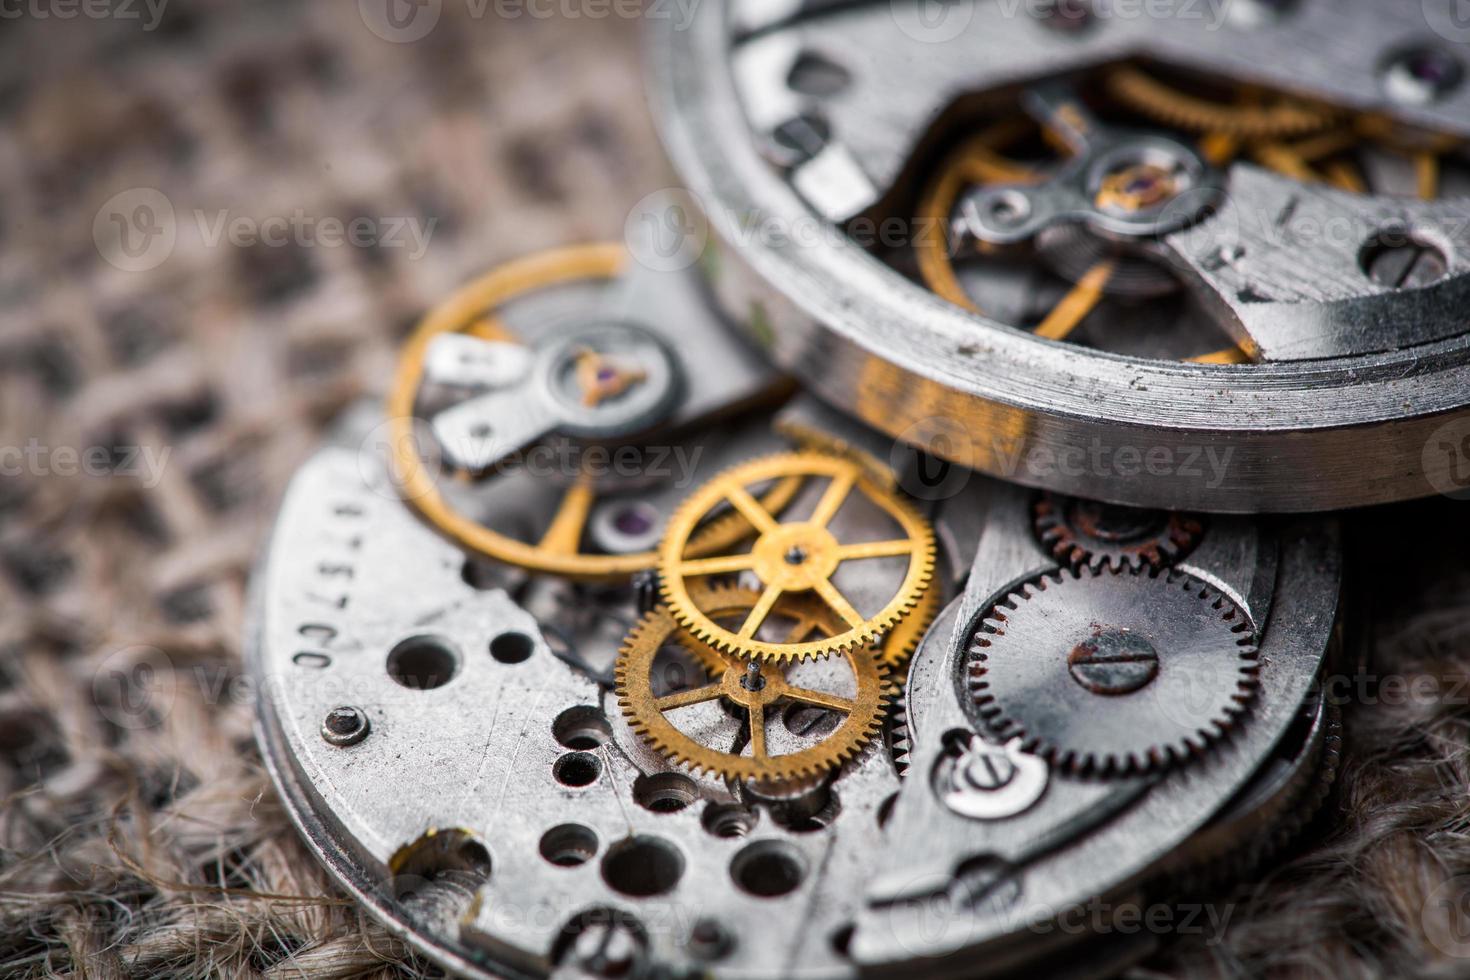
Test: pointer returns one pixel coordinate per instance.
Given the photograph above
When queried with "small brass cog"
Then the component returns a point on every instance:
(794, 556)
(472, 310)
(1166, 104)
(760, 692)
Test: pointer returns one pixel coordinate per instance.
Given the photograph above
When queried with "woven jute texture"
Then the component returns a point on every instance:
(161, 377)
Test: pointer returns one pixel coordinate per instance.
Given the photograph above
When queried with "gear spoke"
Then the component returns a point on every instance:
(683, 699)
(758, 516)
(718, 565)
(832, 499)
(758, 731)
(1080, 300)
(839, 603)
(875, 549)
(564, 535)
(820, 699)
(760, 611)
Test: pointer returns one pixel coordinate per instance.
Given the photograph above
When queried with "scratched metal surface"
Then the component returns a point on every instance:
(140, 837)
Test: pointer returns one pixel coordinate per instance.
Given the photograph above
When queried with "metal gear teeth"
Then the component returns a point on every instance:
(900, 739)
(1168, 105)
(1149, 759)
(1069, 546)
(838, 749)
(898, 609)
(847, 642)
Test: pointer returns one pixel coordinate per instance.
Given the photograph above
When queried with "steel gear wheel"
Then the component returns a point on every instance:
(1168, 105)
(756, 690)
(1114, 671)
(1078, 532)
(795, 556)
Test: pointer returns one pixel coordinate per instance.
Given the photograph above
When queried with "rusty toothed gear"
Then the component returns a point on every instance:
(1078, 533)
(1113, 671)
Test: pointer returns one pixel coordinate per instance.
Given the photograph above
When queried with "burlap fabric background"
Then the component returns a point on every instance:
(145, 840)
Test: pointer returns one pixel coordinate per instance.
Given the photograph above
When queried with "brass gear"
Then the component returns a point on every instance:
(903, 639)
(471, 310)
(1166, 104)
(647, 713)
(793, 557)
(893, 652)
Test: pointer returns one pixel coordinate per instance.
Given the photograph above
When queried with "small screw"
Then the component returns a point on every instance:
(709, 940)
(753, 681)
(987, 769)
(345, 726)
(1114, 662)
(607, 949)
(1420, 76)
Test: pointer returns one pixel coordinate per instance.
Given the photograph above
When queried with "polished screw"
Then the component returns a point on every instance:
(345, 726)
(1114, 662)
(987, 770)
(753, 681)
(1406, 265)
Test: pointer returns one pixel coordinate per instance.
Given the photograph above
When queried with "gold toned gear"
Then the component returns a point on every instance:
(801, 619)
(470, 310)
(1168, 105)
(898, 644)
(903, 639)
(792, 557)
(759, 690)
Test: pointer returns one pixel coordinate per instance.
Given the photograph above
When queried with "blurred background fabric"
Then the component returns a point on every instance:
(186, 368)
